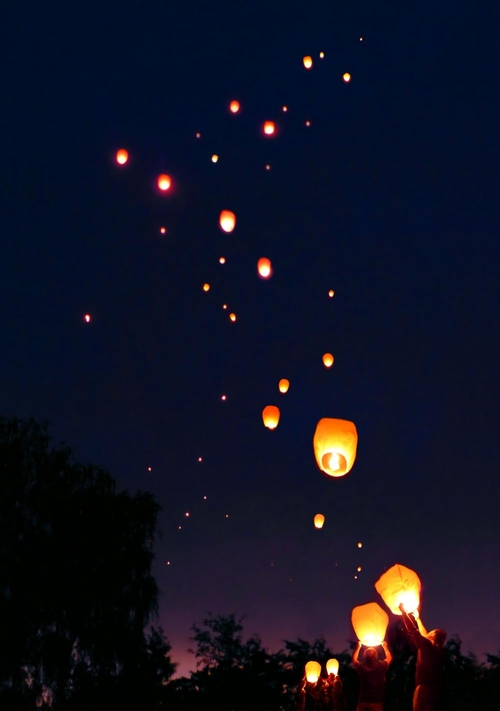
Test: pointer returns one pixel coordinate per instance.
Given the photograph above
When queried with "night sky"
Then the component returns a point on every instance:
(390, 197)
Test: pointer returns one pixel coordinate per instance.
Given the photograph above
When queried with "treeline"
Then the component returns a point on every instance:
(78, 605)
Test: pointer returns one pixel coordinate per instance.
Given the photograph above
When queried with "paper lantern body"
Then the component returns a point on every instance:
(335, 442)
(319, 520)
(332, 666)
(227, 220)
(271, 416)
(264, 267)
(313, 670)
(328, 360)
(283, 385)
(370, 623)
(399, 584)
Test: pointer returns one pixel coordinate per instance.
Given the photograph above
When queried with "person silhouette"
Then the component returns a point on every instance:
(372, 673)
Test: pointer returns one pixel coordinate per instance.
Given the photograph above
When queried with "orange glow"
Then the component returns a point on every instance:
(319, 520)
(122, 156)
(308, 62)
(187, 514)
(399, 585)
(234, 107)
(227, 220)
(313, 670)
(308, 123)
(164, 181)
(87, 318)
(264, 268)
(332, 667)
(285, 108)
(359, 569)
(206, 287)
(346, 77)
(163, 230)
(360, 545)
(331, 293)
(328, 360)
(269, 128)
(224, 306)
(232, 317)
(334, 443)
(271, 416)
(268, 167)
(200, 459)
(283, 385)
(222, 260)
(321, 55)
(223, 397)
(215, 158)
(198, 135)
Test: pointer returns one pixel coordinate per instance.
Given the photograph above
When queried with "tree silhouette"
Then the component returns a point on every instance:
(76, 589)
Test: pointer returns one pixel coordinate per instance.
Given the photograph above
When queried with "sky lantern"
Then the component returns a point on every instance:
(346, 77)
(331, 293)
(370, 623)
(163, 230)
(121, 156)
(164, 182)
(269, 128)
(264, 268)
(271, 416)
(234, 107)
(283, 385)
(313, 670)
(222, 260)
(321, 55)
(335, 443)
(360, 545)
(87, 318)
(308, 62)
(206, 287)
(332, 666)
(215, 158)
(232, 317)
(319, 520)
(227, 220)
(328, 360)
(399, 584)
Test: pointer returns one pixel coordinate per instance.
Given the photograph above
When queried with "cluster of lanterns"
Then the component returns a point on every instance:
(313, 670)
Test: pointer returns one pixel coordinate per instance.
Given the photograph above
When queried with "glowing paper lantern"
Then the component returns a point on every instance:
(206, 287)
(87, 318)
(319, 520)
(163, 230)
(227, 220)
(215, 158)
(313, 670)
(269, 128)
(335, 443)
(399, 584)
(271, 416)
(321, 55)
(332, 667)
(346, 77)
(264, 268)
(222, 260)
(234, 107)
(283, 385)
(232, 317)
(122, 156)
(331, 293)
(370, 623)
(308, 62)
(328, 360)
(164, 182)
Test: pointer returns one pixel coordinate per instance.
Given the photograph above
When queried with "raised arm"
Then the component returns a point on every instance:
(356, 653)
(388, 655)
(409, 623)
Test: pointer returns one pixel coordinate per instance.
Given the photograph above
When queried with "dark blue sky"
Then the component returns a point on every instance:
(390, 197)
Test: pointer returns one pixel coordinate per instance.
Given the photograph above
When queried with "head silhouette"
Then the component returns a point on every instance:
(371, 656)
(437, 637)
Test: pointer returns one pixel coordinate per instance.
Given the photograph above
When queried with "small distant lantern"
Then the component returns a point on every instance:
(332, 667)
(264, 268)
(227, 220)
(346, 77)
(308, 62)
(269, 128)
(328, 360)
(313, 670)
(121, 156)
(234, 107)
(164, 182)
(215, 158)
(335, 442)
(283, 385)
(331, 293)
(319, 520)
(271, 416)
(232, 317)
(370, 623)
(399, 585)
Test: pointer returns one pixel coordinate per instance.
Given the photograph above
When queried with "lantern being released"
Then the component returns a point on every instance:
(313, 670)
(271, 416)
(332, 666)
(227, 220)
(283, 385)
(370, 623)
(319, 520)
(399, 585)
(335, 442)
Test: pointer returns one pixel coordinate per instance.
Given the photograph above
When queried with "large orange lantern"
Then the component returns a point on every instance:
(264, 267)
(313, 670)
(399, 584)
(227, 220)
(319, 520)
(335, 443)
(122, 156)
(332, 666)
(271, 416)
(308, 62)
(328, 360)
(370, 623)
(283, 385)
